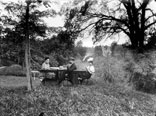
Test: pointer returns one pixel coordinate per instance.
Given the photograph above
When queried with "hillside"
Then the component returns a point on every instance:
(93, 99)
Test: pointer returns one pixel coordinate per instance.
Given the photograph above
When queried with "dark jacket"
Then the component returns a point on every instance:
(72, 67)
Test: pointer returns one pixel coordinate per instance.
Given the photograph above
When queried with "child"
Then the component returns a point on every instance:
(90, 71)
(90, 68)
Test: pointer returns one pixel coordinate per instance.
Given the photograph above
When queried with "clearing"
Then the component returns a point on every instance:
(93, 99)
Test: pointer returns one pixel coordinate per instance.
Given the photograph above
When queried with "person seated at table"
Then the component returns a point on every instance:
(71, 66)
(46, 66)
(90, 70)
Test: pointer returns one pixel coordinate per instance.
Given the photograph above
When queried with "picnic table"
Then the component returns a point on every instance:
(62, 74)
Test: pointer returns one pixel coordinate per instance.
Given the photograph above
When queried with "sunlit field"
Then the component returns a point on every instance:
(95, 98)
(117, 37)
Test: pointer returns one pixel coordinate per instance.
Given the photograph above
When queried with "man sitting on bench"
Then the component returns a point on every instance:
(70, 68)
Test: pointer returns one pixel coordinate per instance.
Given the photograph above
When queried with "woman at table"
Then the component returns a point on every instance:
(46, 66)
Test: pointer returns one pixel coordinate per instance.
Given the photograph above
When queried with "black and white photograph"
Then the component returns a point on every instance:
(77, 57)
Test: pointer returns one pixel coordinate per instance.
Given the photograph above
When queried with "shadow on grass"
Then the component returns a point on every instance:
(50, 82)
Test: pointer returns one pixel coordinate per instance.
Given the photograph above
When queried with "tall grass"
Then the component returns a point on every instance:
(133, 70)
(75, 101)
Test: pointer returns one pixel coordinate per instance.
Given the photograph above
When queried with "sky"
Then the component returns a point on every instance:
(58, 21)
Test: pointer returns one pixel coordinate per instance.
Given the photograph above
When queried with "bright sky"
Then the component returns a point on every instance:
(58, 21)
(51, 21)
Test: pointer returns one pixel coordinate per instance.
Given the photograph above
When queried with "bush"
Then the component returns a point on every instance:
(134, 71)
(139, 70)
(144, 83)
(61, 60)
(53, 61)
(13, 70)
(80, 51)
(110, 69)
(98, 51)
(5, 62)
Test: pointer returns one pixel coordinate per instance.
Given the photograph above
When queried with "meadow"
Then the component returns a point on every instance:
(92, 99)
(108, 93)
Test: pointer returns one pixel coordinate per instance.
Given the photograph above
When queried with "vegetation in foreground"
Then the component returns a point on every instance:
(101, 97)
(92, 99)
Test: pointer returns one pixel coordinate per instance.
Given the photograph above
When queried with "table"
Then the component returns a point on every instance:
(34, 73)
(75, 77)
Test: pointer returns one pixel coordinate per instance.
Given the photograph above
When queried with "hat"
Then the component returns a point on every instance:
(46, 58)
(90, 59)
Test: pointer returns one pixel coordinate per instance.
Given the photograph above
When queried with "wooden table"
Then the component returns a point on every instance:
(62, 74)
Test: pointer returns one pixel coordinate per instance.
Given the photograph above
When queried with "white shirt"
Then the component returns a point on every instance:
(46, 66)
(91, 69)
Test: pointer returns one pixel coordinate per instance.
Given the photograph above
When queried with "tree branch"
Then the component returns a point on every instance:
(85, 27)
(154, 15)
(124, 30)
(146, 27)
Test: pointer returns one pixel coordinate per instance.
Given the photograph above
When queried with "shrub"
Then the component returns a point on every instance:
(61, 60)
(139, 70)
(134, 71)
(14, 70)
(5, 62)
(110, 69)
(144, 83)
(80, 51)
(53, 61)
(98, 51)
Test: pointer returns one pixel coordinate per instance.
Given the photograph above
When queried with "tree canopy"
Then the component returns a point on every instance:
(13, 30)
(135, 18)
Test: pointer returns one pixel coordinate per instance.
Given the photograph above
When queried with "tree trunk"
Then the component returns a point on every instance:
(27, 51)
(29, 81)
(141, 42)
(134, 42)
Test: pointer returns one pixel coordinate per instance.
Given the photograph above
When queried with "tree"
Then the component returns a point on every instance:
(132, 17)
(25, 25)
(98, 51)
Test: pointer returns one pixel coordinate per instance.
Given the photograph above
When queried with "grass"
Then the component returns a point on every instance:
(93, 99)
(98, 98)
(13, 70)
(14, 81)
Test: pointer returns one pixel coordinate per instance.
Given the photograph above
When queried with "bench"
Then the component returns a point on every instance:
(75, 77)
(35, 73)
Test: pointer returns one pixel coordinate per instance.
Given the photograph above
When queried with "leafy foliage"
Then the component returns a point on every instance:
(98, 51)
(107, 18)
(13, 41)
(133, 70)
